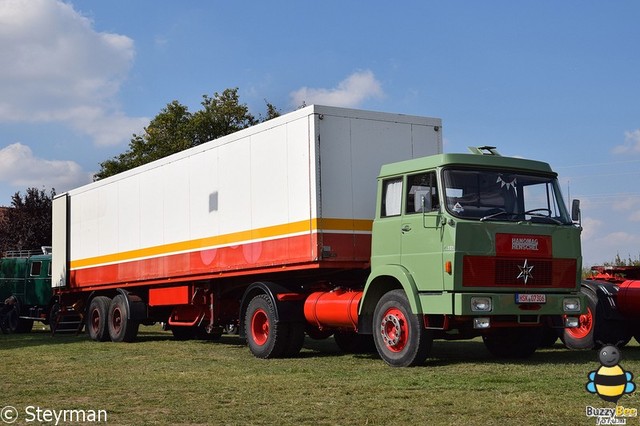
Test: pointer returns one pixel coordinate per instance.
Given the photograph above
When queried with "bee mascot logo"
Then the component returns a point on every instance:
(610, 381)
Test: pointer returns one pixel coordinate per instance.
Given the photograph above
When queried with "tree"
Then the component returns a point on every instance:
(175, 129)
(26, 224)
(618, 261)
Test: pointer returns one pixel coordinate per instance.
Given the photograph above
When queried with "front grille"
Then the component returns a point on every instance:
(490, 271)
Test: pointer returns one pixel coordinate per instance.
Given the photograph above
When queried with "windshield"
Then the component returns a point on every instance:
(501, 195)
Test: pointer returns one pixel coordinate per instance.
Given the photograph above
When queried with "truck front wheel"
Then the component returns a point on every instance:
(98, 319)
(399, 335)
(121, 327)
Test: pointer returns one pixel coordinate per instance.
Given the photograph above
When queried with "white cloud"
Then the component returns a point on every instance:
(635, 216)
(19, 167)
(57, 68)
(350, 92)
(590, 228)
(631, 143)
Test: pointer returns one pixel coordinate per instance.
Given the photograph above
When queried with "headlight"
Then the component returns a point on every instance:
(571, 304)
(571, 322)
(481, 304)
(481, 323)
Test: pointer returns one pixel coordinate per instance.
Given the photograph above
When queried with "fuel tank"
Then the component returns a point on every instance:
(333, 309)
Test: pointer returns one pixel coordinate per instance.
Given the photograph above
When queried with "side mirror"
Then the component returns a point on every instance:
(575, 211)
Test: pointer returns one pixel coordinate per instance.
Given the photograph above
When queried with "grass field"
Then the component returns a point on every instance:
(158, 380)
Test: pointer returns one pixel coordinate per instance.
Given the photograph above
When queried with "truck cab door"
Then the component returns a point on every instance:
(386, 239)
(421, 232)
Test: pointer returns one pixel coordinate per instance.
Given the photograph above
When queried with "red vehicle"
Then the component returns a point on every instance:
(612, 294)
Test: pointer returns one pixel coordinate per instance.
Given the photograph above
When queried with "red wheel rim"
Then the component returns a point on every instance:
(585, 325)
(116, 321)
(394, 329)
(95, 320)
(260, 327)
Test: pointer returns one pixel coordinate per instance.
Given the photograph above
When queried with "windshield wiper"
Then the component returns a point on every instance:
(528, 212)
(549, 218)
(491, 216)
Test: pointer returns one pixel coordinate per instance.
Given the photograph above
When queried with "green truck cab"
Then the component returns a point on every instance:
(468, 245)
(25, 289)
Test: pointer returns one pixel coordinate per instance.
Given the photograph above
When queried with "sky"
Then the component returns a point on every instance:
(556, 81)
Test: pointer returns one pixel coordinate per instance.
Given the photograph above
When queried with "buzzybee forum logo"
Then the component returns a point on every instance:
(610, 382)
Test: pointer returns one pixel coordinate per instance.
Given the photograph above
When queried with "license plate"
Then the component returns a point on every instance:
(531, 298)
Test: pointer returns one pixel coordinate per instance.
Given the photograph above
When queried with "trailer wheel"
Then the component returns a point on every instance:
(399, 335)
(513, 342)
(121, 328)
(98, 319)
(582, 336)
(265, 337)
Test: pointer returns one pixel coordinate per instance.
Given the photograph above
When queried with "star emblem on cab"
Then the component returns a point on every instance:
(525, 271)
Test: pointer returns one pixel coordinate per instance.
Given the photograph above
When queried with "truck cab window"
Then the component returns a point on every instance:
(391, 197)
(35, 269)
(422, 193)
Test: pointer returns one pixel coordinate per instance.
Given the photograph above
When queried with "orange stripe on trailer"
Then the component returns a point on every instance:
(328, 224)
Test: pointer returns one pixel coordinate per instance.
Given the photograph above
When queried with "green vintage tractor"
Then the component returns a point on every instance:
(25, 289)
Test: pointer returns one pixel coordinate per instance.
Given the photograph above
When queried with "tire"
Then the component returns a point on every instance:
(11, 319)
(265, 337)
(351, 342)
(13, 322)
(97, 321)
(121, 328)
(515, 343)
(399, 335)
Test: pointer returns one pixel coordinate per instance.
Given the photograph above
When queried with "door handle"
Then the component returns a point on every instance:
(406, 228)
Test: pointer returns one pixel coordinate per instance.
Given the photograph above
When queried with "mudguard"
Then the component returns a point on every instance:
(137, 309)
(381, 280)
(607, 294)
(285, 311)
